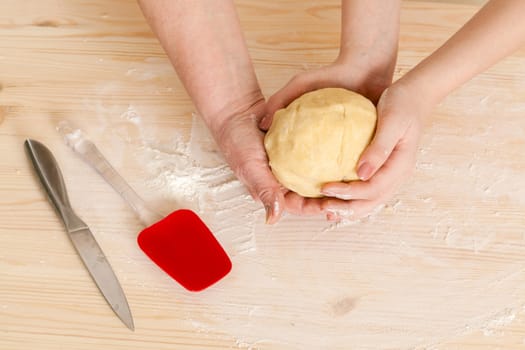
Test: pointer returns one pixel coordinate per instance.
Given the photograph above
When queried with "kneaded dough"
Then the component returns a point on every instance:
(318, 138)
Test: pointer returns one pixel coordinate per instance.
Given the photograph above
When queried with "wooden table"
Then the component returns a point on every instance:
(441, 267)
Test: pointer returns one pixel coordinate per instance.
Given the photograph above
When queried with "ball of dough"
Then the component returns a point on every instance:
(319, 138)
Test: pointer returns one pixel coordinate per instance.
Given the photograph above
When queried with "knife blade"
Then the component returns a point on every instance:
(50, 176)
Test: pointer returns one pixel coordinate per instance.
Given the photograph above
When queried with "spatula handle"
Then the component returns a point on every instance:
(91, 155)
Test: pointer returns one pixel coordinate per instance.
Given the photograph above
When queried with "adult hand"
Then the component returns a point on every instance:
(222, 84)
(241, 142)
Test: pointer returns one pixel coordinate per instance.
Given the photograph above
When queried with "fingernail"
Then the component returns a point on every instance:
(272, 211)
(365, 171)
(328, 193)
(343, 196)
(264, 121)
(268, 209)
(331, 216)
(338, 192)
(341, 213)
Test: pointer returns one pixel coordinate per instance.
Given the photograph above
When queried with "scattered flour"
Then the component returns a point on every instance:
(194, 175)
(447, 252)
(501, 319)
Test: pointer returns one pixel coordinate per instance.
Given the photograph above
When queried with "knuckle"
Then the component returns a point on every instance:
(265, 194)
(378, 155)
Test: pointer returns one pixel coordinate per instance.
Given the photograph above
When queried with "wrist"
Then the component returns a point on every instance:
(370, 36)
(424, 86)
(415, 91)
(381, 63)
(372, 75)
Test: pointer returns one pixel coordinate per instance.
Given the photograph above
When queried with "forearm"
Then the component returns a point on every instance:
(204, 42)
(496, 31)
(370, 35)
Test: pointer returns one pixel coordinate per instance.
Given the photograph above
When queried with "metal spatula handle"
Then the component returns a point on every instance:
(91, 155)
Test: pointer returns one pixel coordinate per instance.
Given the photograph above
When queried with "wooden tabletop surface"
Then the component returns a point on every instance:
(442, 266)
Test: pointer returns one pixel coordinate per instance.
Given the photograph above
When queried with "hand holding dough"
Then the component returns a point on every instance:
(319, 138)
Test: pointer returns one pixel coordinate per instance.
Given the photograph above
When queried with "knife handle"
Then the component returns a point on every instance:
(50, 176)
(91, 155)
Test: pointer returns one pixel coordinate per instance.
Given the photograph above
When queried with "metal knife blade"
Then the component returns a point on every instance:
(87, 247)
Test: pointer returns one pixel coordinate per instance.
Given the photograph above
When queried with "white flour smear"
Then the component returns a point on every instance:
(193, 175)
(444, 258)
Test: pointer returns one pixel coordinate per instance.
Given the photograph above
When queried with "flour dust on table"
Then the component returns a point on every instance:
(305, 283)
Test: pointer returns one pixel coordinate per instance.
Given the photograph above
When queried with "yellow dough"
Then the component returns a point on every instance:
(319, 138)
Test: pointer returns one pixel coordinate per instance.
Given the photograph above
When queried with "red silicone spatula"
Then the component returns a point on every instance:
(181, 244)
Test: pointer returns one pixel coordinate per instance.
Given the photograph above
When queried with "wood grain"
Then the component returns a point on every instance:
(441, 267)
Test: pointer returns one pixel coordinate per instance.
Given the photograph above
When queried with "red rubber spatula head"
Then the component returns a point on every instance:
(182, 245)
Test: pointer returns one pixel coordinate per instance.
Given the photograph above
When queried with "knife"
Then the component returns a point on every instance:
(87, 247)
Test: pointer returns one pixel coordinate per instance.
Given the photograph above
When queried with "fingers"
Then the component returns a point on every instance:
(336, 210)
(333, 208)
(389, 133)
(296, 204)
(383, 184)
(335, 75)
(263, 186)
(297, 86)
(358, 199)
(241, 143)
(395, 171)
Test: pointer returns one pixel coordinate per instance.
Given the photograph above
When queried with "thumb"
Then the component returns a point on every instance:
(297, 86)
(389, 133)
(273, 201)
(376, 154)
(263, 186)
